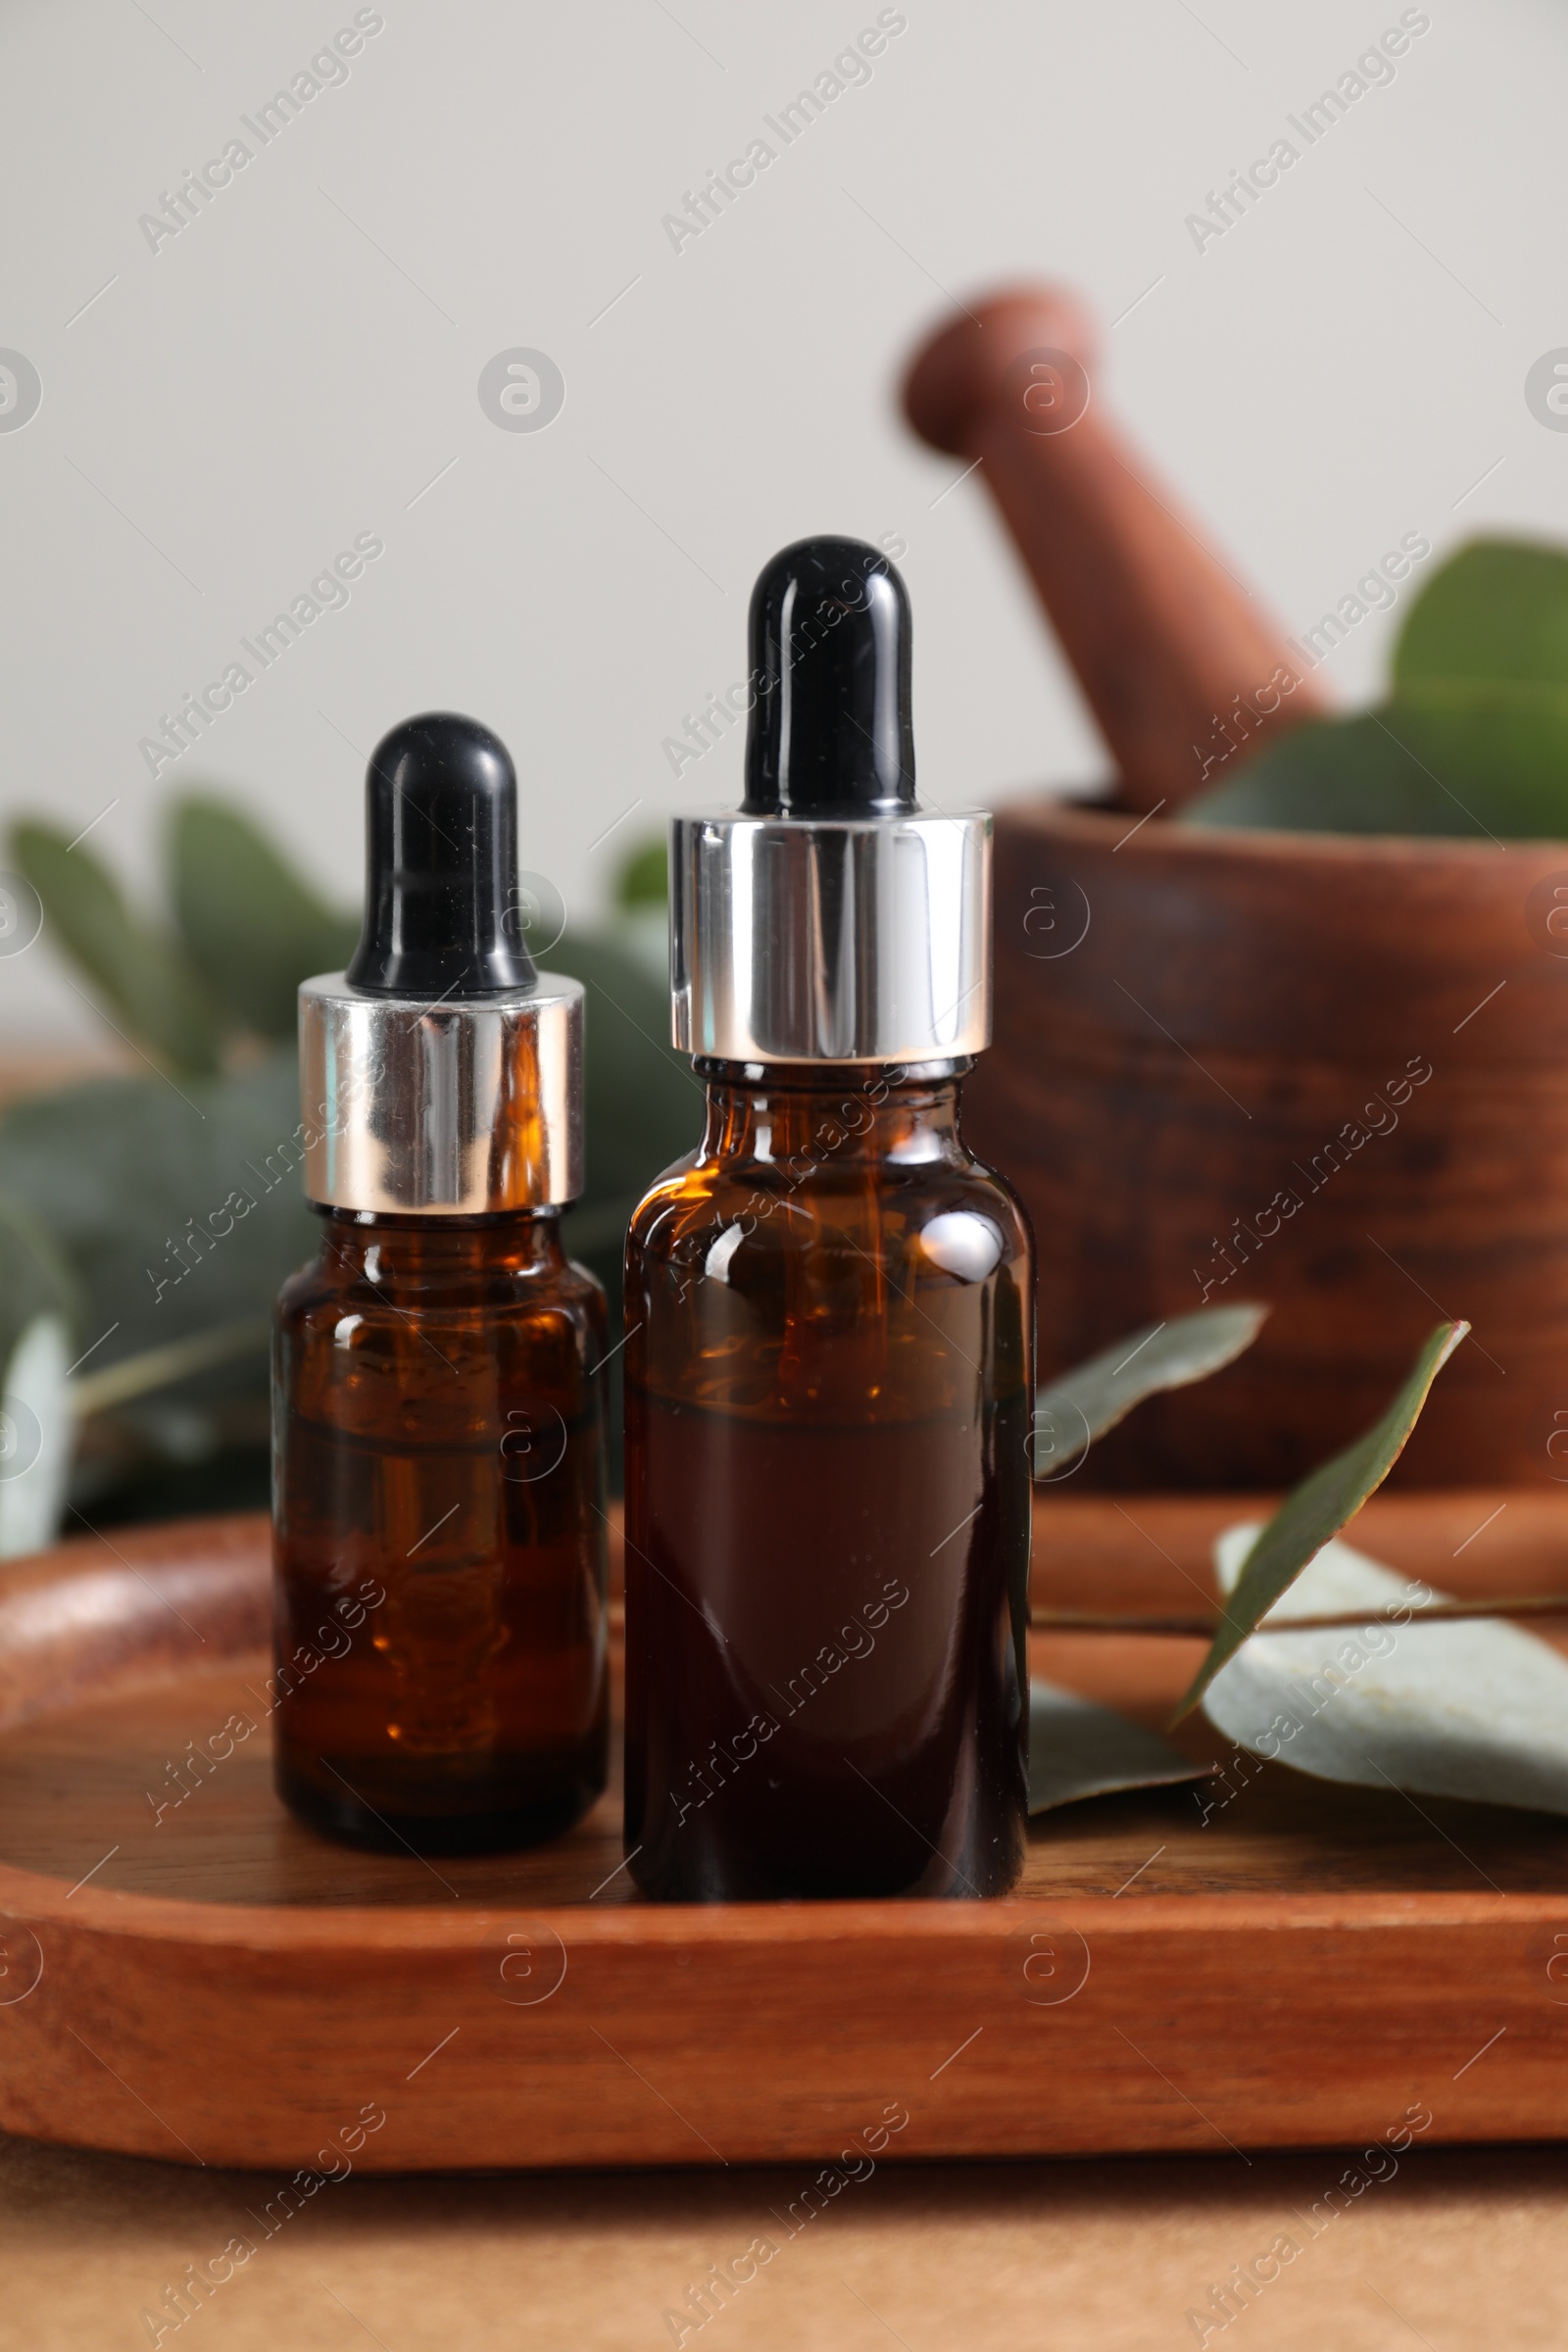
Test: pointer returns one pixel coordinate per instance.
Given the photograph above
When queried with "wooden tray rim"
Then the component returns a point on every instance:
(35, 1899)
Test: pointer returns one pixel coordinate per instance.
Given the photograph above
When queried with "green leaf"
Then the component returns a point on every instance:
(255, 930)
(36, 1437)
(162, 1368)
(144, 974)
(1079, 1749)
(1459, 758)
(1477, 1711)
(1316, 1510)
(142, 1188)
(38, 1305)
(644, 877)
(1084, 1404)
(35, 1277)
(1497, 611)
(134, 1178)
(1474, 739)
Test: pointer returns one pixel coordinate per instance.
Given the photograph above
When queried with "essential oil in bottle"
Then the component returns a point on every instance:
(439, 1391)
(830, 1319)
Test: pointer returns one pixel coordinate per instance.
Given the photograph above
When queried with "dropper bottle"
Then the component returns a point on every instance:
(438, 1401)
(830, 1319)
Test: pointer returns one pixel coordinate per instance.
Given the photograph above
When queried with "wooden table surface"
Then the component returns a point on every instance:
(1447, 2247)
(1460, 2248)
(1455, 2250)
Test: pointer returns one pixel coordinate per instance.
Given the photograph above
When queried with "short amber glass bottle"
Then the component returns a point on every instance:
(438, 1397)
(439, 1517)
(828, 1393)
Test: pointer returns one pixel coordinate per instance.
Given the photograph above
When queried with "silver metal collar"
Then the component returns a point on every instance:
(862, 938)
(459, 1110)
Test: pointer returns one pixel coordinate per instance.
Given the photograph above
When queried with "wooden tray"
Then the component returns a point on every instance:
(216, 1986)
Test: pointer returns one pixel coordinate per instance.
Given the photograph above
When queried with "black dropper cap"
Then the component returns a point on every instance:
(830, 731)
(441, 909)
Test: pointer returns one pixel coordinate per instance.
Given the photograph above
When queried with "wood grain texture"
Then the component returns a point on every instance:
(1162, 636)
(216, 1986)
(1188, 1025)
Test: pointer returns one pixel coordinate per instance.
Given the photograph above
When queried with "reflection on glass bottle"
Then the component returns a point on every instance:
(440, 1443)
(829, 1316)
(438, 1491)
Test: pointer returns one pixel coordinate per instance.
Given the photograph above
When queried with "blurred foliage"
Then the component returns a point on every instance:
(642, 918)
(137, 1183)
(1496, 614)
(1473, 738)
(36, 1277)
(252, 929)
(645, 876)
(122, 1199)
(40, 1304)
(144, 976)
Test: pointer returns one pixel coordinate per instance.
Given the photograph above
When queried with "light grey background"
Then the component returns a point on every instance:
(302, 362)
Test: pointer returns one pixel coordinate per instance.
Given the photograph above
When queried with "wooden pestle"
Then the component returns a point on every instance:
(1179, 663)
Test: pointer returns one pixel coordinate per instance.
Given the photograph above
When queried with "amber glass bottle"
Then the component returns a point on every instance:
(828, 1522)
(438, 1397)
(829, 1313)
(440, 1533)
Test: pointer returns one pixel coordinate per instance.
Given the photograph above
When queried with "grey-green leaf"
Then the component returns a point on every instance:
(1497, 611)
(36, 1437)
(1078, 1749)
(1474, 738)
(644, 877)
(144, 974)
(1461, 757)
(39, 1303)
(254, 928)
(35, 1277)
(1315, 1511)
(155, 1369)
(179, 1212)
(1477, 1711)
(1073, 1411)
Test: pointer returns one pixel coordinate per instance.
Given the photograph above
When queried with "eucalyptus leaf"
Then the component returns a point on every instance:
(35, 1276)
(35, 1436)
(145, 974)
(179, 1208)
(1496, 610)
(39, 1303)
(1316, 1510)
(1460, 758)
(644, 877)
(1079, 1749)
(1082, 1405)
(254, 928)
(1474, 738)
(163, 1367)
(1475, 1710)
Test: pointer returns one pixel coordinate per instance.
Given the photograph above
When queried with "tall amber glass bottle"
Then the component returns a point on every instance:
(438, 1413)
(829, 1311)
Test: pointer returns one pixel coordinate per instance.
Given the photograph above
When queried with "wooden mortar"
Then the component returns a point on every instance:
(1205, 1080)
